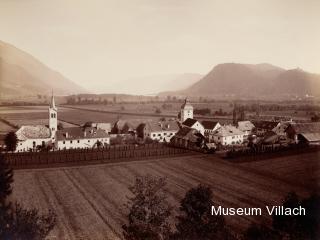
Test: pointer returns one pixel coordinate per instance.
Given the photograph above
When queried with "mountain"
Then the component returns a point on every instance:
(254, 80)
(23, 75)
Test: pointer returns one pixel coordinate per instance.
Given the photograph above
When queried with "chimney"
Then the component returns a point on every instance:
(84, 133)
(66, 134)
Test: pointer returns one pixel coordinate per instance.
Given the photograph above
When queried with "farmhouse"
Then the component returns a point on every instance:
(209, 128)
(33, 137)
(161, 131)
(228, 135)
(194, 124)
(304, 133)
(261, 127)
(81, 137)
(188, 138)
(246, 127)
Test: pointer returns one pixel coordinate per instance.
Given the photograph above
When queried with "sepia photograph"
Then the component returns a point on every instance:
(159, 120)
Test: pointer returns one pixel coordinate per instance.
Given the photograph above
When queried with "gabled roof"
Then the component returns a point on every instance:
(189, 122)
(306, 127)
(245, 125)
(189, 134)
(268, 125)
(209, 124)
(228, 130)
(162, 126)
(80, 133)
(33, 132)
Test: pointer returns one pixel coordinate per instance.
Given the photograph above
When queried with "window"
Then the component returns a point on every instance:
(159, 134)
(88, 140)
(64, 142)
(78, 141)
(71, 141)
(165, 133)
(154, 135)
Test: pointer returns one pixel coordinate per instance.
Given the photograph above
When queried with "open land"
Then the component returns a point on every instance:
(89, 200)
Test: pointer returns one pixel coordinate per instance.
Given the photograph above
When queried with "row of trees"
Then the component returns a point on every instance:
(150, 217)
(16, 222)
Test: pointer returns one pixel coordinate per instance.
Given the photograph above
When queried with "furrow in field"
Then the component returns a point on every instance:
(65, 223)
(109, 230)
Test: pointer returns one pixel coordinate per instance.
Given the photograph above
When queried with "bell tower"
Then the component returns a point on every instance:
(53, 117)
(186, 110)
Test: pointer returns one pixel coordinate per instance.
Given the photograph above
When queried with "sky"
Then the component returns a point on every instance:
(104, 44)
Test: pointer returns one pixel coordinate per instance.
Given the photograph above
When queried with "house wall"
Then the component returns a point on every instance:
(80, 143)
(160, 136)
(208, 133)
(31, 144)
(199, 127)
(228, 140)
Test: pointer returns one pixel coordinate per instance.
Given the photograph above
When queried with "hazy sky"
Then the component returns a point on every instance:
(100, 44)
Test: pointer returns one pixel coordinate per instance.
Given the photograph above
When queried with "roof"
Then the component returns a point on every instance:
(268, 125)
(245, 125)
(306, 127)
(186, 104)
(52, 103)
(311, 137)
(33, 132)
(189, 122)
(228, 130)
(209, 124)
(80, 133)
(162, 126)
(189, 134)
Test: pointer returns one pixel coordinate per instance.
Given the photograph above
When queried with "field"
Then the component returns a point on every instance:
(89, 200)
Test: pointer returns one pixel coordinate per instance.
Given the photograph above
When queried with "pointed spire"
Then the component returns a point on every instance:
(52, 103)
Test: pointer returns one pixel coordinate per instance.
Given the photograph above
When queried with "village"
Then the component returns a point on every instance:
(184, 131)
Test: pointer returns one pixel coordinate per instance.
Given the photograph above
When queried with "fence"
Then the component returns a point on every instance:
(275, 150)
(87, 156)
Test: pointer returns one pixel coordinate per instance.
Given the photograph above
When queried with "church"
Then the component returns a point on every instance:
(37, 137)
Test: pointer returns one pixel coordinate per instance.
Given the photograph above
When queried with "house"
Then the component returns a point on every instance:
(194, 124)
(104, 126)
(33, 137)
(81, 137)
(161, 131)
(304, 133)
(186, 111)
(188, 138)
(246, 127)
(228, 135)
(209, 128)
(261, 127)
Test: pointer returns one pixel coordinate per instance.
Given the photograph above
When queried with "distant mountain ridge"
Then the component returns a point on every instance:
(21, 74)
(255, 80)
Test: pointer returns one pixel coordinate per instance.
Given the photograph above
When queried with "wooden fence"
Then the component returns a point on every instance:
(88, 156)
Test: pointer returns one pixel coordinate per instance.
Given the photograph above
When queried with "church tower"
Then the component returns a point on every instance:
(186, 110)
(53, 117)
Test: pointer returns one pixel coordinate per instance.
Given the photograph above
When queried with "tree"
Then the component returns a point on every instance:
(196, 221)
(11, 141)
(18, 223)
(149, 210)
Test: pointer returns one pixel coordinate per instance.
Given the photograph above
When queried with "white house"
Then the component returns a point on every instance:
(194, 124)
(32, 137)
(186, 111)
(209, 128)
(161, 131)
(246, 127)
(228, 135)
(81, 137)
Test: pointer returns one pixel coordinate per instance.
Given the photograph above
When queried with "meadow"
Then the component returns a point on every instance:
(89, 200)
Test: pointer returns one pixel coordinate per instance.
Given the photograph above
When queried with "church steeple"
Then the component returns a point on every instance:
(53, 117)
(186, 110)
